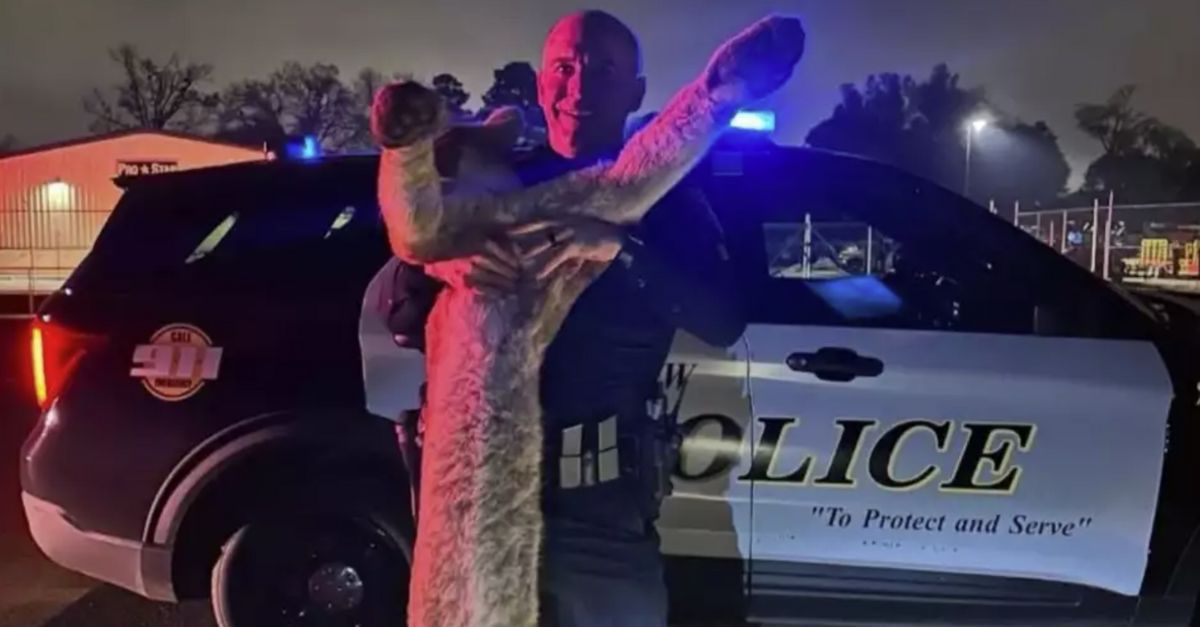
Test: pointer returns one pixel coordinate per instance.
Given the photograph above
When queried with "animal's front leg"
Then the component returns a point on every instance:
(406, 118)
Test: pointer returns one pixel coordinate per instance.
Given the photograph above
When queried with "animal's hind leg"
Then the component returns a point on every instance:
(511, 523)
(441, 589)
(510, 516)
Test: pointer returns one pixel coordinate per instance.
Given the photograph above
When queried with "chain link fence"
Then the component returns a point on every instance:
(1152, 244)
(38, 250)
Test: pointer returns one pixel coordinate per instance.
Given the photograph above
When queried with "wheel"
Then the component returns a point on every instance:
(333, 559)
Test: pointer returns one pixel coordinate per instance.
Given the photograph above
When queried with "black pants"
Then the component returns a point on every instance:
(601, 560)
(601, 577)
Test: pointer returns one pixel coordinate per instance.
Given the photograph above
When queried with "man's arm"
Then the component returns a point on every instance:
(679, 263)
(675, 259)
(428, 223)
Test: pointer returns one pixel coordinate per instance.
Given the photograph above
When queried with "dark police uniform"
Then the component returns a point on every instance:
(609, 447)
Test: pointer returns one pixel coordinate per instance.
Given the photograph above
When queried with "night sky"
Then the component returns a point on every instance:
(1036, 58)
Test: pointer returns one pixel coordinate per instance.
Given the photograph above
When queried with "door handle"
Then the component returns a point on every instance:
(832, 363)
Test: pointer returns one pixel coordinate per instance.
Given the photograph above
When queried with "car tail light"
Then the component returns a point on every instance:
(38, 350)
(56, 352)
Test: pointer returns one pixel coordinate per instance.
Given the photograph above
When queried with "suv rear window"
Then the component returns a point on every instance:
(180, 224)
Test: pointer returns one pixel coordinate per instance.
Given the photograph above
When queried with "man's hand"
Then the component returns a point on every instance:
(493, 272)
(557, 242)
(547, 246)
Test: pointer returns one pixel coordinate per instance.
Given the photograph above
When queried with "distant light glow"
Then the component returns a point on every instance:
(762, 121)
(58, 193)
(978, 124)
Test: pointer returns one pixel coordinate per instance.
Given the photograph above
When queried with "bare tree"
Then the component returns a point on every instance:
(451, 90)
(370, 80)
(1115, 124)
(296, 101)
(1144, 160)
(150, 94)
(317, 101)
(252, 112)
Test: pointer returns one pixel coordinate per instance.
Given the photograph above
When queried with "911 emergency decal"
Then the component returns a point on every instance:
(176, 362)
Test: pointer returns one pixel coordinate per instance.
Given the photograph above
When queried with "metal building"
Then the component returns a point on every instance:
(55, 198)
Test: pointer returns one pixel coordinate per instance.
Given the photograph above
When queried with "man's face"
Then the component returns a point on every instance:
(587, 87)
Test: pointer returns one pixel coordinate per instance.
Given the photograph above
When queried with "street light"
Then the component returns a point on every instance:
(974, 126)
(58, 193)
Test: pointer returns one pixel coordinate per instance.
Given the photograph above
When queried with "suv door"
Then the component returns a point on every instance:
(948, 413)
(705, 524)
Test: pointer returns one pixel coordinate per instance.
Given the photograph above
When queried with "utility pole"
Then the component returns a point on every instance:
(1108, 234)
(806, 269)
(974, 126)
(1063, 245)
(870, 237)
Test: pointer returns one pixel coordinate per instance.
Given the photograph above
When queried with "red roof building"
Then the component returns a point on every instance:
(55, 198)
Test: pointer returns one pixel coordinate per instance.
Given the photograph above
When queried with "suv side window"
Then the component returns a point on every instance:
(827, 266)
(833, 241)
(827, 240)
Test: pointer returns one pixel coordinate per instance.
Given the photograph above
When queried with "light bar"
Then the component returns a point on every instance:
(761, 121)
(310, 149)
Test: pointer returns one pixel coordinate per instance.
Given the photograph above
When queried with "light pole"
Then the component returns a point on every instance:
(974, 127)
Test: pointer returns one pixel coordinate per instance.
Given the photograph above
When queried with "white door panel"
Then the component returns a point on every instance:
(973, 453)
(708, 514)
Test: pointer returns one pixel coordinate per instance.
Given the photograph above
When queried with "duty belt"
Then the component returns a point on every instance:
(636, 448)
(608, 453)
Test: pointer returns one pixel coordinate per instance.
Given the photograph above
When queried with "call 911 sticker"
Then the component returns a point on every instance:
(176, 362)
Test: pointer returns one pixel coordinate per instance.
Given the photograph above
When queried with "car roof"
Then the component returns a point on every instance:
(255, 170)
(360, 166)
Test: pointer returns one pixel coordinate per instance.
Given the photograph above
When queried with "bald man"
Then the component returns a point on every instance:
(608, 462)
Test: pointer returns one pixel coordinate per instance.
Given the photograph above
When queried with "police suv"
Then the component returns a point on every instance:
(931, 418)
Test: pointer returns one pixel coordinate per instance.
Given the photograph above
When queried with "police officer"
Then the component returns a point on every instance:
(609, 446)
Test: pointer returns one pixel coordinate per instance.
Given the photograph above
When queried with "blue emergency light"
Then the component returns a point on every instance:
(310, 150)
(760, 121)
(307, 149)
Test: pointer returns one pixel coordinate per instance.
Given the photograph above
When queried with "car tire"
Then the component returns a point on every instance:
(326, 556)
